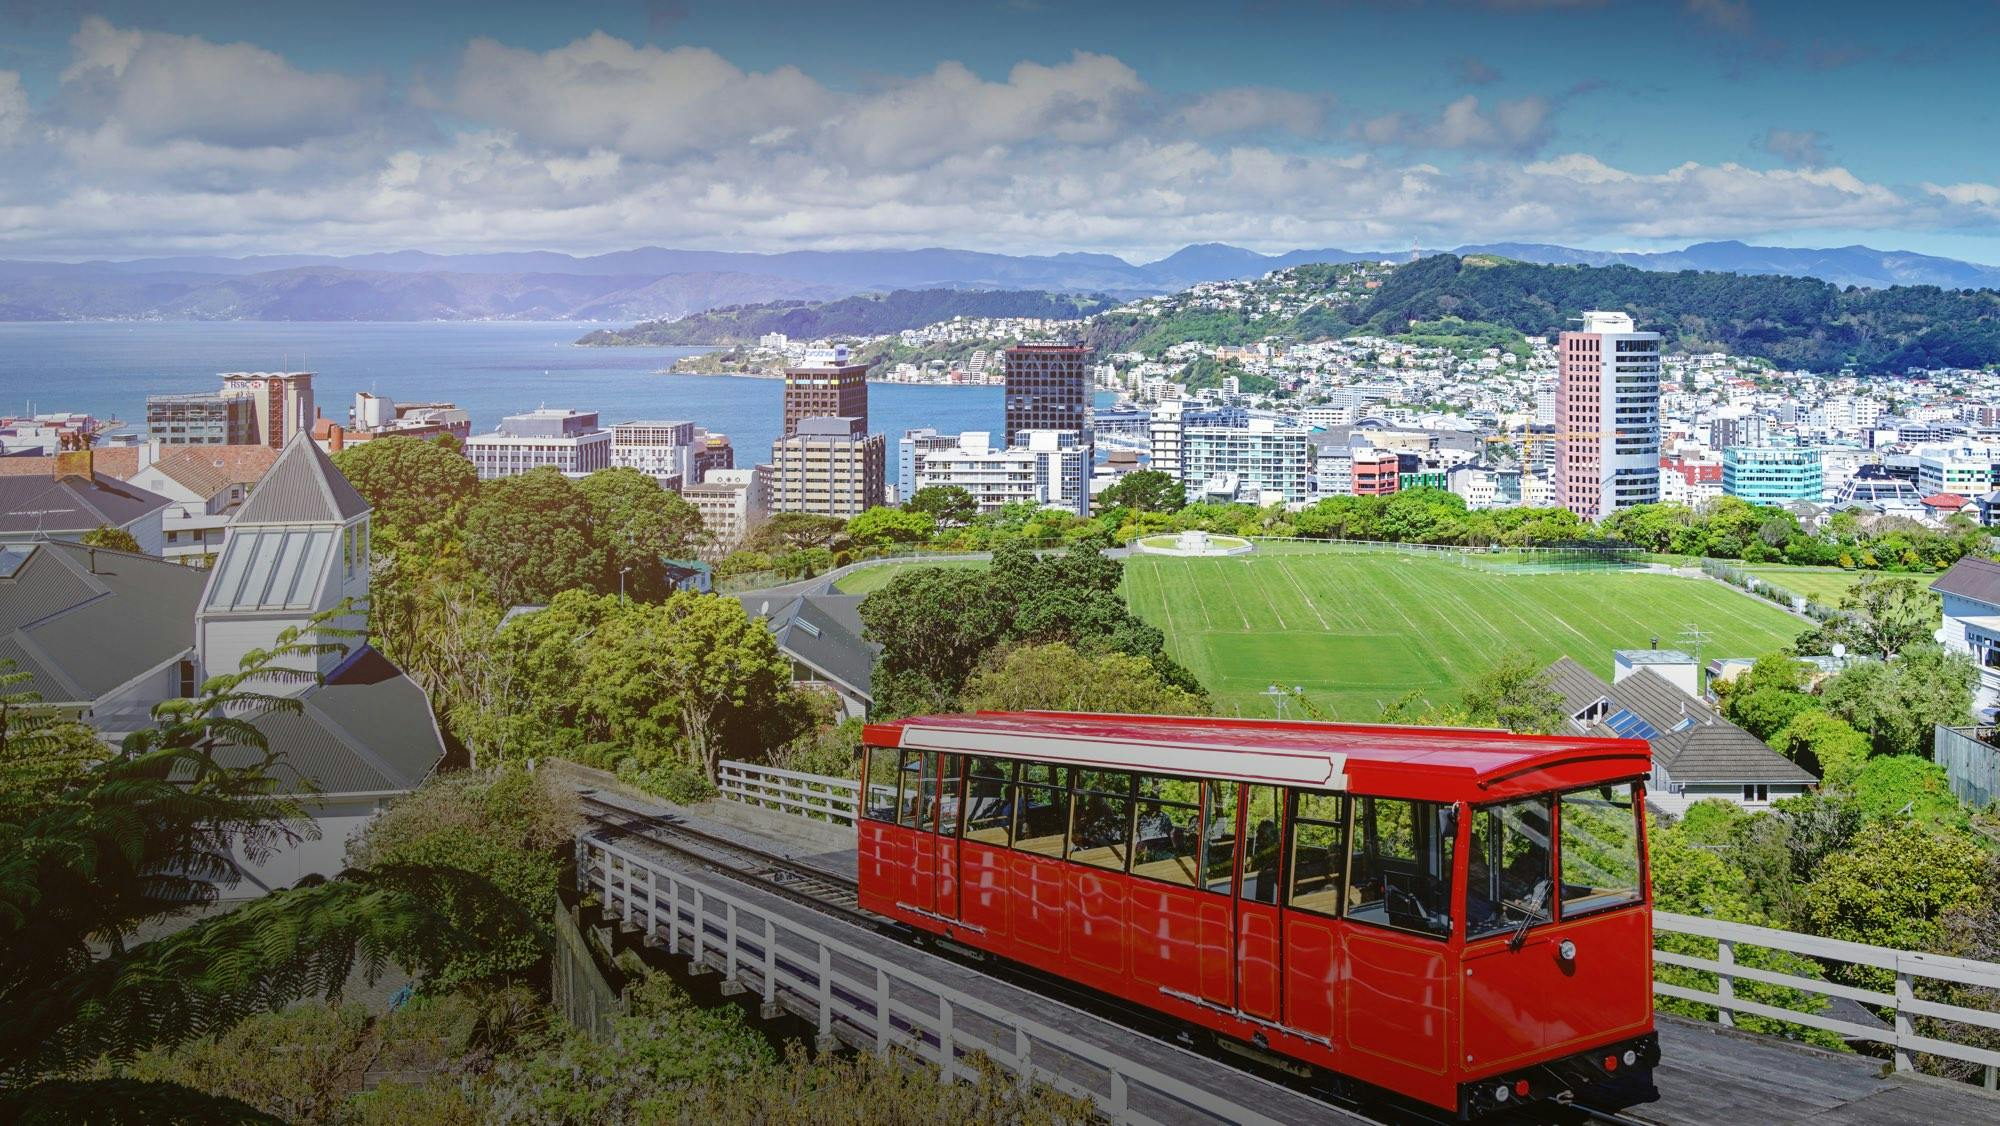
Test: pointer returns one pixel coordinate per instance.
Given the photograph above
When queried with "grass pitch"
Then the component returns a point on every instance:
(1823, 585)
(1357, 630)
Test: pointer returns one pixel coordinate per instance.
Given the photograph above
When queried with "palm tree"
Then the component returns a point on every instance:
(93, 845)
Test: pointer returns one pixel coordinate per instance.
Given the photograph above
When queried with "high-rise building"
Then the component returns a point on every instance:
(911, 450)
(1735, 426)
(1048, 388)
(1047, 467)
(828, 388)
(1608, 416)
(1546, 393)
(1268, 454)
(282, 402)
(1167, 438)
(661, 450)
(1967, 470)
(711, 451)
(569, 440)
(831, 467)
(1772, 474)
(205, 418)
(731, 502)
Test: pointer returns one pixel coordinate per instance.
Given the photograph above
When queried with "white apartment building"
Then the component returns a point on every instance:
(571, 441)
(1047, 467)
(731, 503)
(661, 450)
(1965, 471)
(1268, 452)
(1166, 439)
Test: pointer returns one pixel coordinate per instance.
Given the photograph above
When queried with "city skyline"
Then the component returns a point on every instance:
(1019, 128)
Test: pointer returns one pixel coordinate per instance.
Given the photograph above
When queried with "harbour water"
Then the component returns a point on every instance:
(490, 368)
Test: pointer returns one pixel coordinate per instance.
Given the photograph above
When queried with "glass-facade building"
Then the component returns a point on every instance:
(1772, 474)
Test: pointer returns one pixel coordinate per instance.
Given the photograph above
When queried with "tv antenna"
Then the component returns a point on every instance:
(1696, 635)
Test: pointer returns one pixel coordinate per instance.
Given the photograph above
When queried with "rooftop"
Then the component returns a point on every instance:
(30, 505)
(64, 602)
(302, 487)
(1652, 656)
(1971, 577)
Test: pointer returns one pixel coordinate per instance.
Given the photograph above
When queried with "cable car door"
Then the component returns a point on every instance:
(950, 805)
(916, 820)
(1260, 832)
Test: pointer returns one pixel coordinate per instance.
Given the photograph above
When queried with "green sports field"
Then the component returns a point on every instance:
(1359, 630)
(1824, 585)
(868, 580)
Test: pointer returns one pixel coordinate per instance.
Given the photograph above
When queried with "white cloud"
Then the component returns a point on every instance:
(1090, 98)
(603, 92)
(1520, 125)
(1249, 109)
(13, 107)
(154, 86)
(1805, 148)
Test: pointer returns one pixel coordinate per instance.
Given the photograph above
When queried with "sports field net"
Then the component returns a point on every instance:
(1559, 558)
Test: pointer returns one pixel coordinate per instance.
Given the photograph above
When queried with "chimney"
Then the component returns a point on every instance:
(1656, 641)
(336, 438)
(75, 463)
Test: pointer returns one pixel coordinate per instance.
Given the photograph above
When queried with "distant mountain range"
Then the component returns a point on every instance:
(651, 283)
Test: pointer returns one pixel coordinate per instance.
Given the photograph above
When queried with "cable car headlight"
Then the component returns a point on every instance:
(1501, 1094)
(1631, 1057)
(1567, 950)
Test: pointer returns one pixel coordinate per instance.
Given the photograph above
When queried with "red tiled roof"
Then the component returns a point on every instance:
(1944, 500)
(112, 461)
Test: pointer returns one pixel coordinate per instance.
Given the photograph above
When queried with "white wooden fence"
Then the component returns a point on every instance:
(837, 799)
(1902, 1007)
(870, 1001)
(807, 795)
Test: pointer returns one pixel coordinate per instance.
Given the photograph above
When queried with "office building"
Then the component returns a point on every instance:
(204, 418)
(830, 467)
(1735, 426)
(911, 451)
(1166, 439)
(379, 416)
(1547, 392)
(1046, 467)
(731, 503)
(711, 451)
(663, 451)
(1048, 388)
(827, 386)
(281, 403)
(1966, 471)
(1377, 473)
(570, 441)
(1267, 454)
(1608, 424)
(1772, 474)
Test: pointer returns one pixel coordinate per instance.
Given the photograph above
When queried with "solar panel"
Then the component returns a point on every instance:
(1630, 726)
(11, 558)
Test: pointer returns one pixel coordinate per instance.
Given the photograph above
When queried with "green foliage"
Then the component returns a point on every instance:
(107, 536)
(949, 505)
(1766, 698)
(793, 531)
(885, 527)
(1824, 744)
(1882, 617)
(682, 783)
(1894, 887)
(1516, 693)
(534, 536)
(1056, 677)
(1710, 822)
(1898, 704)
(1145, 490)
(419, 489)
(640, 524)
(507, 827)
(833, 750)
(1893, 787)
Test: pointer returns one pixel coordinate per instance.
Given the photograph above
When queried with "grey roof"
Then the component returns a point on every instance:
(71, 505)
(81, 622)
(302, 487)
(368, 729)
(1652, 656)
(1712, 750)
(822, 632)
(1971, 577)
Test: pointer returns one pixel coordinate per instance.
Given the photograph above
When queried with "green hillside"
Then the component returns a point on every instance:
(870, 314)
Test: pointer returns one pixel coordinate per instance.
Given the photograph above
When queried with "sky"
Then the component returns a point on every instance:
(142, 128)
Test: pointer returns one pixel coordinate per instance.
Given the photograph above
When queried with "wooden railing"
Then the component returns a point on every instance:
(859, 998)
(1902, 1007)
(817, 796)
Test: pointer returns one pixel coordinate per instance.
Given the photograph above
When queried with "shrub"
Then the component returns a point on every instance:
(682, 783)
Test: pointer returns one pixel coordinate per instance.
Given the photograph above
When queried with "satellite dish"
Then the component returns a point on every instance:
(1839, 649)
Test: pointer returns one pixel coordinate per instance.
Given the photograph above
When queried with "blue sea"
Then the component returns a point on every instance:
(489, 368)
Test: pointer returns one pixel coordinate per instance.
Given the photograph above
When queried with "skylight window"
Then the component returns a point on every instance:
(12, 556)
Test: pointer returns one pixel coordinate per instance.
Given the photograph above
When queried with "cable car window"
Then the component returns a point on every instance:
(881, 784)
(1218, 839)
(1401, 857)
(1510, 871)
(1044, 809)
(1260, 869)
(1167, 843)
(1319, 852)
(948, 805)
(1100, 827)
(918, 800)
(989, 800)
(1600, 849)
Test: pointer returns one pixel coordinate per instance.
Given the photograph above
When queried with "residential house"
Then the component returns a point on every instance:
(74, 498)
(206, 485)
(1971, 623)
(821, 634)
(1696, 753)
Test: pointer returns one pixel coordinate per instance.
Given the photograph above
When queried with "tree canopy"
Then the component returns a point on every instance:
(534, 536)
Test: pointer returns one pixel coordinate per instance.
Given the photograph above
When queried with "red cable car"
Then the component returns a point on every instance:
(1457, 916)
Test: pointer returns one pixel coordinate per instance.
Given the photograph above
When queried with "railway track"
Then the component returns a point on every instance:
(838, 896)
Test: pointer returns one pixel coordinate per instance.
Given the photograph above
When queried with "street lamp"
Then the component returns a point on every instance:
(621, 584)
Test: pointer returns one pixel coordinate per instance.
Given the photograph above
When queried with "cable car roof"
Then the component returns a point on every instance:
(1431, 763)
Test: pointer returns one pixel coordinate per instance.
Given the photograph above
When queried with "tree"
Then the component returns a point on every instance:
(934, 624)
(1147, 490)
(693, 676)
(792, 531)
(1882, 617)
(1892, 787)
(418, 488)
(1895, 886)
(1766, 697)
(640, 524)
(1057, 677)
(1516, 693)
(882, 527)
(535, 536)
(1898, 704)
(1823, 743)
(108, 536)
(949, 505)
(89, 855)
